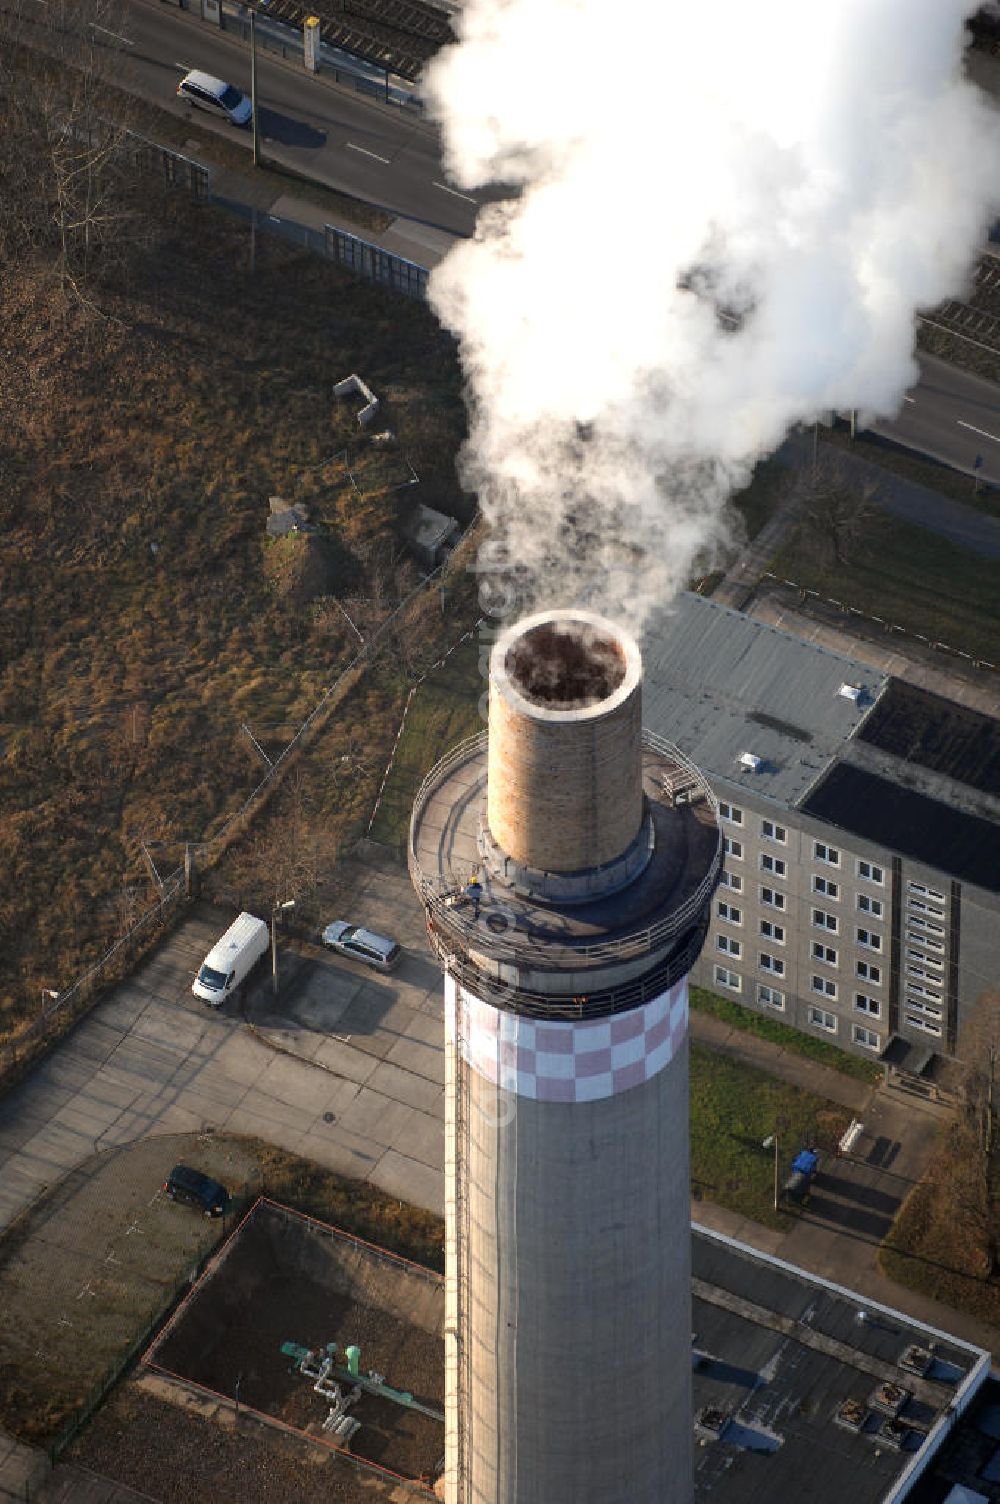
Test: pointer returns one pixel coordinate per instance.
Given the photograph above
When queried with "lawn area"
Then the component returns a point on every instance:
(780, 1034)
(733, 1109)
(770, 486)
(444, 710)
(906, 576)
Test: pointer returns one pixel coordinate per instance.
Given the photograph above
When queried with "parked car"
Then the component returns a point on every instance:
(216, 97)
(231, 959)
(192, 1188)
(362, 945)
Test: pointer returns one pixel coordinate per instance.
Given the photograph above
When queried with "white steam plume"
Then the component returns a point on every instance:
(817, 170)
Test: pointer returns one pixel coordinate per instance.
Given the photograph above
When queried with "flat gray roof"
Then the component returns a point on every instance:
(777, 1353)
(719, 684)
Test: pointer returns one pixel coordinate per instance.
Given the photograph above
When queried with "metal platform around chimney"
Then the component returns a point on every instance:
(601, 955)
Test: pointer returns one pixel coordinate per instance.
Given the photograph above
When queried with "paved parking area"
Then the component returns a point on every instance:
(151, 1059)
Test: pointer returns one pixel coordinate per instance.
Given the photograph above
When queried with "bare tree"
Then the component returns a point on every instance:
(980, 1126)
(842, 511)
(67, 176)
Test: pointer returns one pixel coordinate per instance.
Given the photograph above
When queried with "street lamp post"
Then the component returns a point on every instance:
(260, 5)
(276, 909)
(772, 1138)
(253, 85)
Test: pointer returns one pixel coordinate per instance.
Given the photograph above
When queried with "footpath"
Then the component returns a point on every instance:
(856, 1197)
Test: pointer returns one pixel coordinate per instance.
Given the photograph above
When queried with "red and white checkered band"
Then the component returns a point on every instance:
(559, 1060)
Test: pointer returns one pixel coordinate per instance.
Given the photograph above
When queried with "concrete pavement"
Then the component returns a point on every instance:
(346, 1068)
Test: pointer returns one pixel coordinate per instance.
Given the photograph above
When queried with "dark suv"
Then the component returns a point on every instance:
(192, 1188)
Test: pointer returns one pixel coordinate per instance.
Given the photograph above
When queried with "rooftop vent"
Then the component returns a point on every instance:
(752, 761)
(850, 692)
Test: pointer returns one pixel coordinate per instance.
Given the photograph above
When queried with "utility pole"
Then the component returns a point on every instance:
(253, 85)
(276, 909)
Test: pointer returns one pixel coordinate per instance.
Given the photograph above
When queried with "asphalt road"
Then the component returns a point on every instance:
(382, 153)
(952, 416)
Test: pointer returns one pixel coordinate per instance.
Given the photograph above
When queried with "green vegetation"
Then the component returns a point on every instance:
(734, 1108)
(907, 576)
(766, 492)
(780, 1034)
(444, 710)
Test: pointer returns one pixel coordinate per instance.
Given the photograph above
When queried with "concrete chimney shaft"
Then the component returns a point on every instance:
(564, 790)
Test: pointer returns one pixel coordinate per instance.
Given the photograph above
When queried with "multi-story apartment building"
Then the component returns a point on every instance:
(861, 815)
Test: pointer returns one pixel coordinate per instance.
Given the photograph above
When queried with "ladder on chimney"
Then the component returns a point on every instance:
(460, 1118)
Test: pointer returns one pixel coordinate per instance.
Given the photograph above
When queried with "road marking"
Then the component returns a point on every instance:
(909, 399)
(116, 34)
(366, 153)
(973, 429)
(445, 189)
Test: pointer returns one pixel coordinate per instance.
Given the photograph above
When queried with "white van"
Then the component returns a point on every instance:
(216, 96)
(231, 959)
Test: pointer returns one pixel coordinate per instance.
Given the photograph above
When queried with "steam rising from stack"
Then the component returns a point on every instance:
(727, 217)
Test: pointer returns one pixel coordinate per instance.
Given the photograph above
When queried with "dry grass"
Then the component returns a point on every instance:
(934, 1244)
(142, 625)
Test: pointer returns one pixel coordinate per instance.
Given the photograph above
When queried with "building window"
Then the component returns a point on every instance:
(866, 1037)
(824, 853)
(922, 952)
(729, 945)
(770, 996)
(871, 938)
(916, 1022)
(927, 925)
(871, 873)
(731, 880)
(772, 931)
(822, 1019)
(825, 953)
(774, 964)
(727, 978)
(917, 937)
(925, 892)
(730, 812)
(733, 848)
(869, 905)
(772, 832)
(921, 991)
(773, 864)
(731, 913)
(826, 886)
(824, 986)
(931, 961)
(866, 972)
(933, 909)
(869, 1005)
(824, 921)
(772, 898)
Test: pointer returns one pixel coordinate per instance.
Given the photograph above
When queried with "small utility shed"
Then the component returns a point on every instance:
(431, 535)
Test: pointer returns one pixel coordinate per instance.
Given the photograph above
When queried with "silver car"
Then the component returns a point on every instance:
(216, 96)
(362, 945)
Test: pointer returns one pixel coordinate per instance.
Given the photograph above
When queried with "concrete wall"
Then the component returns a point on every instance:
(968, 942)
(574, 1307)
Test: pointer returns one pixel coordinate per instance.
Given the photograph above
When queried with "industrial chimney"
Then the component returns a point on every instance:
(567, 862)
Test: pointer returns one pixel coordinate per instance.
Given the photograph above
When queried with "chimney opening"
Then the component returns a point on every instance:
(566, 666)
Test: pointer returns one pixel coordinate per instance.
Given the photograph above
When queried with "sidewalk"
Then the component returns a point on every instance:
(856, 1198)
